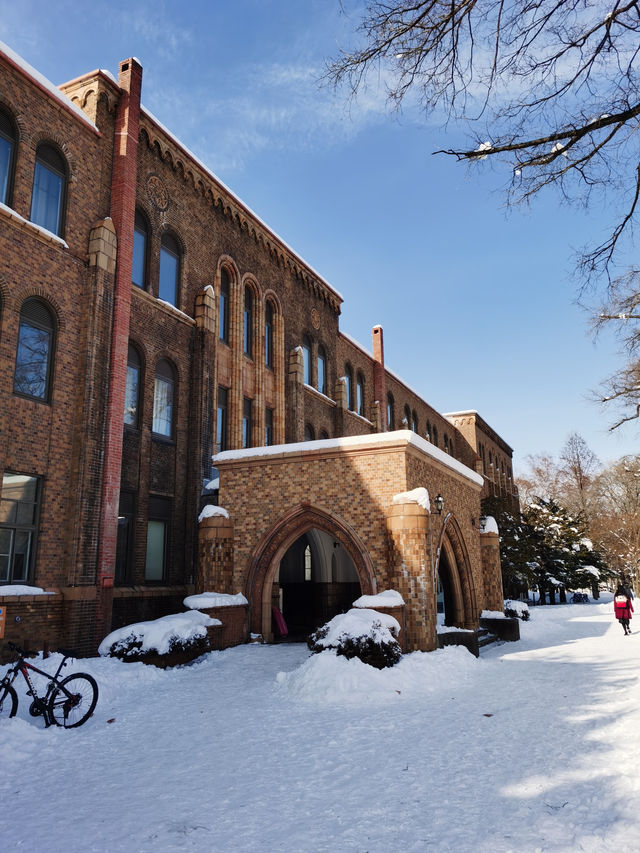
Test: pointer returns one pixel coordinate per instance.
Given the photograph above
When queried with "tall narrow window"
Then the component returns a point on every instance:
(435, 435)
(222, 419)
(124, 538)
(34, 356)
(8, 137)
(19, 505)
(360, 394)
(427, 432)
(169, 270)
(140, 240)
(306, 358)
(247, 410)
(163, 394)
(406, 420)
(157, 539)
(414, 421)
(132, 391)
(446, 443)
(268, 427)
(223, 313)
(391, 424)
(48, 195)
(248, 322)
(348, 375)
(322, 370)
(268, 335)
(307, 563)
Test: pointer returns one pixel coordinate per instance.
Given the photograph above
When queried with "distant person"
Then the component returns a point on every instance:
(626, 586)
(623, 608)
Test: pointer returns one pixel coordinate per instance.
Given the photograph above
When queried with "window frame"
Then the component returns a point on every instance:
(159, 512)
(269, 314)
(348, 375)
(224, 302)
(222, 419)
(170, 248)
(50, 159)
(390, 412)
(135, 423)
(37, 306)
(8, 132)
(247, 322)
(268, 427)
(168, 379)
(247, 422)
(31, 529)
(307, 350)
(141, 227)
(360, 404)
(321, 370)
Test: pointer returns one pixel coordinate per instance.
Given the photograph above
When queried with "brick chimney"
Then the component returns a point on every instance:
(379, 378)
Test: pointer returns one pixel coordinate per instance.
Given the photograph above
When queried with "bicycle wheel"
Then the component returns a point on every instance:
(8, 701)
(73, 700)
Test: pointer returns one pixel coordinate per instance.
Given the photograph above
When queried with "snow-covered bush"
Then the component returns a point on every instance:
(516, 609)
(168, 641)
(360, 633)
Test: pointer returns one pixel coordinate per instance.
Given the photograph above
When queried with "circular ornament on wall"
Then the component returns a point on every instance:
(157, 192)
(315, 318)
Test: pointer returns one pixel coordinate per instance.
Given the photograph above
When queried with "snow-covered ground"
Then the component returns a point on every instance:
(533, 747)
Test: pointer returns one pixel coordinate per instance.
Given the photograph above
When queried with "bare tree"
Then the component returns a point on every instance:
(551, 87)
(616, 525)
(578, 467)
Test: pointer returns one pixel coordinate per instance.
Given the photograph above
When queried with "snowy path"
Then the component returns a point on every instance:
(534, 747)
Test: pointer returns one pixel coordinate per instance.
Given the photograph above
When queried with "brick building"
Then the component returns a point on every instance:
(149, 321)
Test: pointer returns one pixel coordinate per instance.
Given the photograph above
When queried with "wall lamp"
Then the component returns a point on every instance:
(438, 502)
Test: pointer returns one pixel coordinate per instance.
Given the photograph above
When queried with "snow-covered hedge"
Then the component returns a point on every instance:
(180, 637)
(518, 609)
(360, 633)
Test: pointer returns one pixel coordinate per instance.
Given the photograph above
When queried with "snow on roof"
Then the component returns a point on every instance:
(29, 71)
(237, 200)
(352, 442)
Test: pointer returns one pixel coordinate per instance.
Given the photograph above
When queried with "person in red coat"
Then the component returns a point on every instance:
(623, 608)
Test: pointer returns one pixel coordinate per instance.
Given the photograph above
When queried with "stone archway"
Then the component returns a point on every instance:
(454, 569)
(276, 541)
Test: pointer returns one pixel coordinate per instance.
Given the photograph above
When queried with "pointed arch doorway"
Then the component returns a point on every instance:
(311, 565)
(456, 596)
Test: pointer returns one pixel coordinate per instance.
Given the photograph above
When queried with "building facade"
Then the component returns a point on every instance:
(150, 321)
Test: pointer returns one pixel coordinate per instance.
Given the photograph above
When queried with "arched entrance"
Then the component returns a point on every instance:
(455, 588)
(282, 558)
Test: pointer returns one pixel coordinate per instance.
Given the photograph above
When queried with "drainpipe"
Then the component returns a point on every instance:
(123, 206)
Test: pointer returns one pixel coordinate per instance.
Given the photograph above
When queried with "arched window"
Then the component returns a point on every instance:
(169, 270)
(309, 434)
(248, 322)
(8, 141)
(307, 563)
(163, 399)
(322, 370)
(348, 375)
(435, 435)
(446, 443)
(427, 432)
(306, 359)
(406, 420)
(223, 312)
(140, 243)
(222, 419)
(132, 391)
(48, 195)
(360, 394)
(268, 427)
(34, 356)
(414, 421)
(324, 435)
(268, 335)
(391, 422)
(247, 421)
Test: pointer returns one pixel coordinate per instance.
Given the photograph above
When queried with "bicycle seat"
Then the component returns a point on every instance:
(68, 653)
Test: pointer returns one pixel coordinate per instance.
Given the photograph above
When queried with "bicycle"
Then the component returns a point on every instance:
(67, 702)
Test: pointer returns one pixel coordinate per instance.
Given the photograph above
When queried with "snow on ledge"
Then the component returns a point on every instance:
(353, 442)
(26, 223)
(211, 510)
(387, 598)
(492, 614)
(418, 496)
(22, 589)
(491, 526)
(204, 600)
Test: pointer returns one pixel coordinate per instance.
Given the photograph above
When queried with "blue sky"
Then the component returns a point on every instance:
(477, 302)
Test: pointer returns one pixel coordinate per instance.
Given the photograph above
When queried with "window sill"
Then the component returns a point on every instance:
(163, 439)
(37, 231)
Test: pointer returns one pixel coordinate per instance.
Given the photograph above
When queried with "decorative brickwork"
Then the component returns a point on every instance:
(493, 592)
